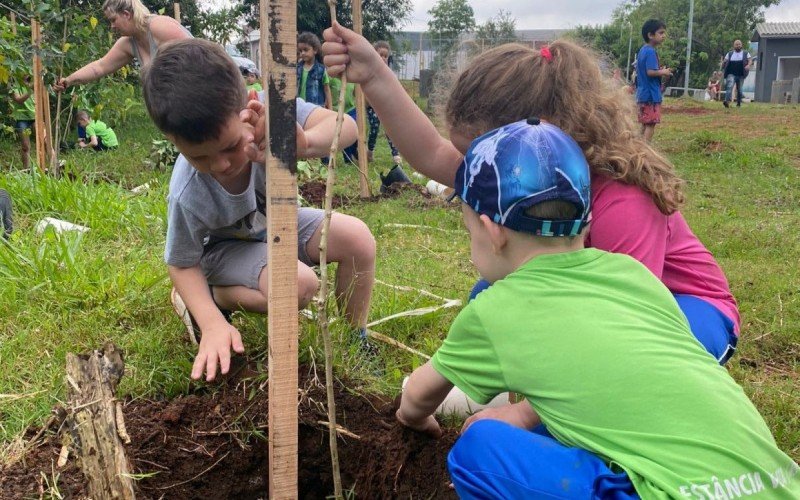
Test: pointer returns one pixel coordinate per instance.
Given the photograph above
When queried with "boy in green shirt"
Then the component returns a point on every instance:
(101, 137)
(597, 346)
(251, 79)
(24, 114)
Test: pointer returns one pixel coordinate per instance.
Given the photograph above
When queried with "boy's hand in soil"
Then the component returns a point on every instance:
(428, 425)
(424, 392)
(520, 415)
(215, 348)
(345, 49)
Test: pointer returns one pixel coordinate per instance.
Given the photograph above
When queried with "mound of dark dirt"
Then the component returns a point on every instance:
(214, 445)
(313, 192)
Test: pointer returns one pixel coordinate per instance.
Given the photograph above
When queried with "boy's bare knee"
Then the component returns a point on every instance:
(307, 285)
(363, 243)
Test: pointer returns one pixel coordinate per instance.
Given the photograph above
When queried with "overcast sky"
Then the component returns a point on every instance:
(541, 14)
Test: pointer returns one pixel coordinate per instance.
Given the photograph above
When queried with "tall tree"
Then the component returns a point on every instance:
(381, 17)
(717, 23)
(451, 18)
(497, 30)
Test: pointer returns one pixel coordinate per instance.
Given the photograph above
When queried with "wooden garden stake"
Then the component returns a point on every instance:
(13, 24)
(278, 56)
(177, 10)
(38, 101)
(322, 298)
(361, 115)
(54, 166)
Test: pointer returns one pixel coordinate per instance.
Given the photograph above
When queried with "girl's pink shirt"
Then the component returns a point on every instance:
(625, 220)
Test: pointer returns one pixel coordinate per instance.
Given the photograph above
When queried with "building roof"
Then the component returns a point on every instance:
(777, 30)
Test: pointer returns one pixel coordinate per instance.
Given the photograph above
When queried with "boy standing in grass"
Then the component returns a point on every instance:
(101, 137)
(648, 77)
(632, 403)
(216, 217)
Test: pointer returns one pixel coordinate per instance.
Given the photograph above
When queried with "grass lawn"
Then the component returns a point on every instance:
(75, 292)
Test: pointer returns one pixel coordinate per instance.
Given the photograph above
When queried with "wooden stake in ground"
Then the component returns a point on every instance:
(38, 100)
(279, 32)
(13, 24)
(92, 419)
(361, 116)
(177, 11)
(322, 298)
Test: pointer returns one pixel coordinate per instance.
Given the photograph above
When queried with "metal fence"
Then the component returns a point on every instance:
(414, 52)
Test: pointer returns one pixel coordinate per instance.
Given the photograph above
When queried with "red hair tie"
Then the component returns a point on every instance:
(545, 52)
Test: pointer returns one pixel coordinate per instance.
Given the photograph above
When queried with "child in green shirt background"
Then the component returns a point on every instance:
(100, 136)
(23, 113)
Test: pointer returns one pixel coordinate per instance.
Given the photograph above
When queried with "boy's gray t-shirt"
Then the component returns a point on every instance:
(200, 212)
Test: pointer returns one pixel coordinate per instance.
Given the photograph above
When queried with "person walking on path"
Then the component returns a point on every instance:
(736, 66)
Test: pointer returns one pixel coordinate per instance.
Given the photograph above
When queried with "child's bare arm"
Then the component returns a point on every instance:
(317, 134)
(424, 392)
(411, 131)
(21, 98)
(217, 334)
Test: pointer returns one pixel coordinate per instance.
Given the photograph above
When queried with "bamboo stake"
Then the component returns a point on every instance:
(279, 31)
(177, 11)
(13, 24)
(54, 166)
(322, 298)
(37, 95)
(361, 115)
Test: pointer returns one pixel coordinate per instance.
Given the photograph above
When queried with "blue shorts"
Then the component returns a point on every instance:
(712, 328)
(21, 125)
(496, 460)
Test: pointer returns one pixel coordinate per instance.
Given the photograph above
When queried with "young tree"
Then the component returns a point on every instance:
(450, 18)
(497, 30)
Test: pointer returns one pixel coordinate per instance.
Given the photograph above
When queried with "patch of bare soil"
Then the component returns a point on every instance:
(213, 445)
(313, 192)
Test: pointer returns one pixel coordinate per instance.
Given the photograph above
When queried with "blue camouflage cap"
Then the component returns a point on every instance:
(514, 167)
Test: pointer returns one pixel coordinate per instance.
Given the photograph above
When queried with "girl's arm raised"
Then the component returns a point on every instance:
(411, 131)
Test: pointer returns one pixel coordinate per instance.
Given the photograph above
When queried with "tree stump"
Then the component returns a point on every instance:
(92, 420)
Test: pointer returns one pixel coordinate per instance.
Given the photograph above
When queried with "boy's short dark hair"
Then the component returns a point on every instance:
(650, 27)
(192, 88)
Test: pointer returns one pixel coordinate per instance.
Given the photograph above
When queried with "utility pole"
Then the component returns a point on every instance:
(689, 49)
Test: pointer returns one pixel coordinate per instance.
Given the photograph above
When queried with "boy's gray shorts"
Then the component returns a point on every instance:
(235, 262)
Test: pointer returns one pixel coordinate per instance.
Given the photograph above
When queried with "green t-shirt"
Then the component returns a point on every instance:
(24, 111)
(349, 94)
(255, 86)
(326, 80)
(102, 131)
(603, 353)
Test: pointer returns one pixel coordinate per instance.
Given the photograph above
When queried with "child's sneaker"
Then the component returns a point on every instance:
(368, 350)
(192, 330)
(397, 159)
